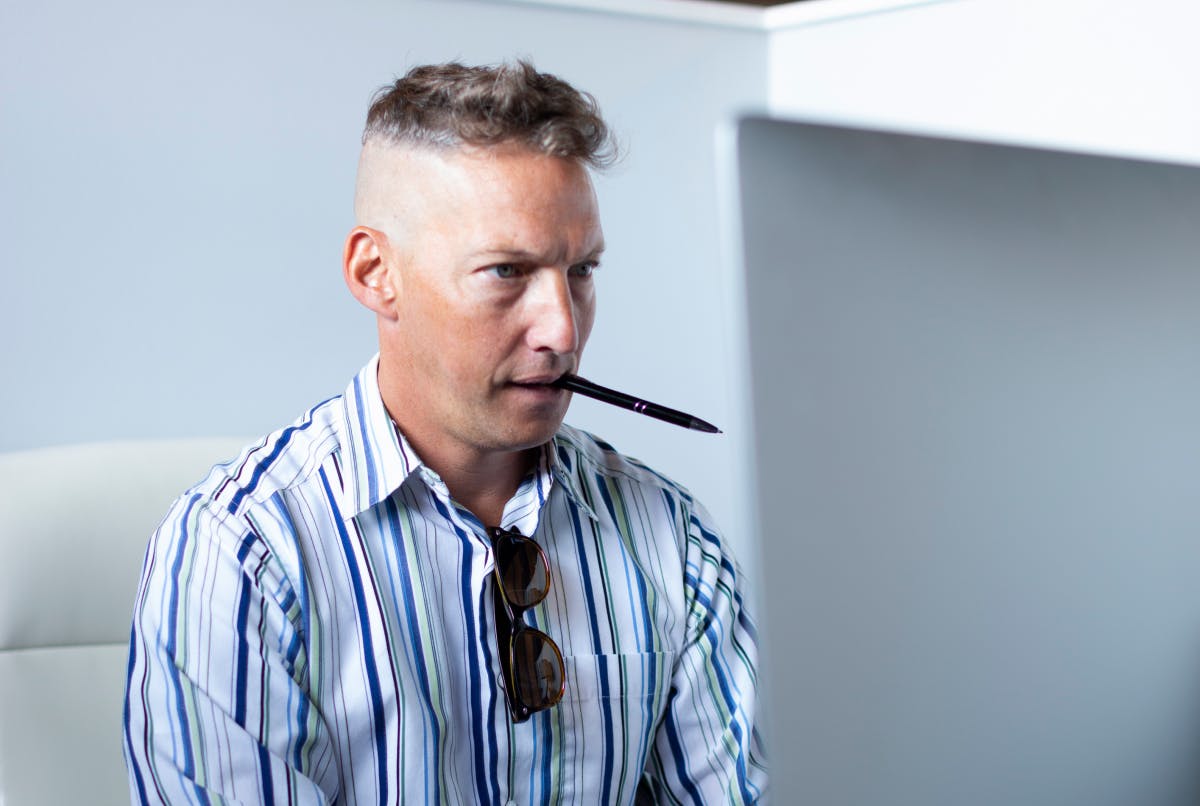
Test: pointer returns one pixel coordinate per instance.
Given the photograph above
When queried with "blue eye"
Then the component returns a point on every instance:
(584, 269)
(506, 271)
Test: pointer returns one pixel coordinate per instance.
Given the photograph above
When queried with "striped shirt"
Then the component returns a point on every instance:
(315, 625)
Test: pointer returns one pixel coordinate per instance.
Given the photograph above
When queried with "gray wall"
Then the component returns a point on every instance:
(176, 184)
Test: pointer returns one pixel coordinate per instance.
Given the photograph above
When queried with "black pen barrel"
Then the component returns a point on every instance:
(602, 393)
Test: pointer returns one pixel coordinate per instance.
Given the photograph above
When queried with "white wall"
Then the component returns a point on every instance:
(175, 185)
(1109, 77)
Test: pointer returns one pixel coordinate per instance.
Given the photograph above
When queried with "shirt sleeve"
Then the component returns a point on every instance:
(216, 707)
(707, 749)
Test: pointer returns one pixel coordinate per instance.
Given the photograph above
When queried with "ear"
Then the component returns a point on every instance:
(366, 271)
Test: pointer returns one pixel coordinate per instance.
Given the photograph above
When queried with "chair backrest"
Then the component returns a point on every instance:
(74, 524)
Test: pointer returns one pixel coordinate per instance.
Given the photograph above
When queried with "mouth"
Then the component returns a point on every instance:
(539, 381)
(543, 387)
(536, 386)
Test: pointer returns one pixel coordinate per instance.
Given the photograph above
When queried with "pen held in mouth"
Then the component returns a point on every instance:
(611, 396)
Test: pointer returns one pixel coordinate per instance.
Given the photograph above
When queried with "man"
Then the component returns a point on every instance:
(429, 589)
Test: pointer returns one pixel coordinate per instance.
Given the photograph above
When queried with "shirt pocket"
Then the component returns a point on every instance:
(611, 711)
(639, 676)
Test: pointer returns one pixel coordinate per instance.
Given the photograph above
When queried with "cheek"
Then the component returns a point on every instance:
(585, 317)
(438, 313)
(472, 344)
(438, 336)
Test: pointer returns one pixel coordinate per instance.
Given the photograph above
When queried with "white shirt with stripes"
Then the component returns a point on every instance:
(315, 625)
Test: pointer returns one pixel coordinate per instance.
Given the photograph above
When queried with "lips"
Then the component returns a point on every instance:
(536, 386)
(539, 388)
(538, 381)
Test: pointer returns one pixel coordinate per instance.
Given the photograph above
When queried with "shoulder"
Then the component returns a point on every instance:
(241, 522)
(282, 460)
(586, 453)
(609, 477)
(625, 491)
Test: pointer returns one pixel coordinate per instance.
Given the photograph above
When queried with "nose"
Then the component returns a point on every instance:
(553, 325)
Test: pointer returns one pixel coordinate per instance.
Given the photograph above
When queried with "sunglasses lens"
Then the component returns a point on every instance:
(537, 669)
(522, 570)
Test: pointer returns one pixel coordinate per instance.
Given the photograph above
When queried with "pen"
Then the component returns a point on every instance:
(605, 395)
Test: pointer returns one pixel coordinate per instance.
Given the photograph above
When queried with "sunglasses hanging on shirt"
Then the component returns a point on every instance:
(534, 676)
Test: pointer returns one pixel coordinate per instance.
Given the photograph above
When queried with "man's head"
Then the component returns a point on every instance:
(477, 233)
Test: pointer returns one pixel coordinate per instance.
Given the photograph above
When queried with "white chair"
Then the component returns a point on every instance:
(74, 523)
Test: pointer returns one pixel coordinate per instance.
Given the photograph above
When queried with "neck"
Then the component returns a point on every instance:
(483, 482)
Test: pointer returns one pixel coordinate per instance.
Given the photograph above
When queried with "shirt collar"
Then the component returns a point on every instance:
(379, 458)
(567, 469)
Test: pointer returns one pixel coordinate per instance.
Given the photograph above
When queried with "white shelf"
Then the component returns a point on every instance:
(709, 12)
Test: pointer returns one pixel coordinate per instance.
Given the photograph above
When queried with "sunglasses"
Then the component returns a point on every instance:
(534, 676)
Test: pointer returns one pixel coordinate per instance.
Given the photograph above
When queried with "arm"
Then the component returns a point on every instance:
(216, 702)
(707, 749)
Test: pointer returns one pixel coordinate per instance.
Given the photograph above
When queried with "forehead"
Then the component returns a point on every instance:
(480, 194)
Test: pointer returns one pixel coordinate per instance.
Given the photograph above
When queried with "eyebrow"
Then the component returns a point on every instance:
(525, 256)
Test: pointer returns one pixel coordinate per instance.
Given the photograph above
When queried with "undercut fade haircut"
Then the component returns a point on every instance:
(452, 105)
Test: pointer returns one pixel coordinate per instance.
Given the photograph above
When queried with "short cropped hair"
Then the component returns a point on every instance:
(452, 105)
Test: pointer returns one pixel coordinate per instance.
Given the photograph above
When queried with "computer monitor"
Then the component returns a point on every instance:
(975, 401)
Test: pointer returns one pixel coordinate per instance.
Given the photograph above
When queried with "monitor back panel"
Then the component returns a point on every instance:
(976, 409)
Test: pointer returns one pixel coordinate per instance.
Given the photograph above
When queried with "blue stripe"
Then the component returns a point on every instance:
(681, 770)
(602, 659)
(302, 708)
(133, 766)
(648, 723)
(188, 770)
(368, 454)
(488, 728)
(488, 791)
(587, 582)
(721, 671)
(264, 769)
(606, 778)
(260, 468)
(649, 648)
(302, 637)
(547, 757)
(372, 673)
(243, 651)
(418, 651)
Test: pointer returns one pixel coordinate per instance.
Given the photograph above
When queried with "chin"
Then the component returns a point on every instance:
(529, 435)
